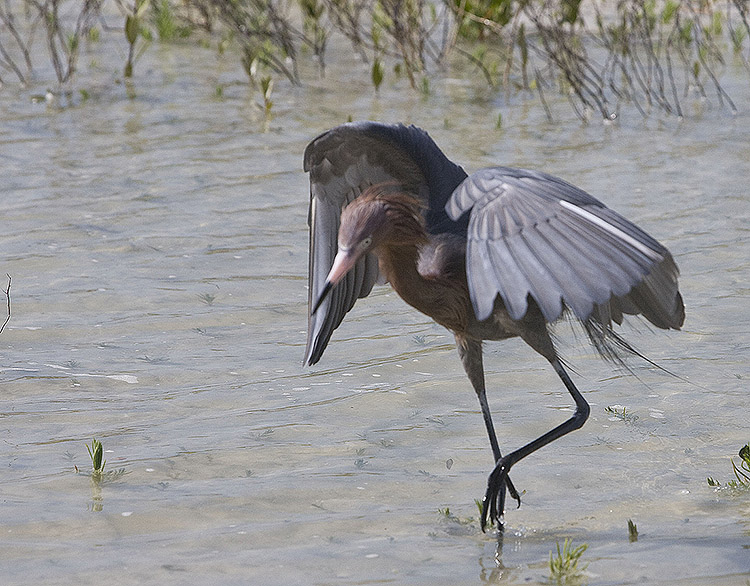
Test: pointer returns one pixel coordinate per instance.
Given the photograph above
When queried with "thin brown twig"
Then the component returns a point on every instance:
(7, 296)
(672, 83)
(547, 111)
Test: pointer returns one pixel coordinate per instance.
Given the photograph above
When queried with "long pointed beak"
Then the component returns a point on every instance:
(323, 294)
(342, 264)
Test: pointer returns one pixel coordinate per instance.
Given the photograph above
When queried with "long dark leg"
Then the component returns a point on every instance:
(470, 352)
(494, 497)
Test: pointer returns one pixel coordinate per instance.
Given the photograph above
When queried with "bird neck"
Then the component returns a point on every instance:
(434, 293)
(398, 264)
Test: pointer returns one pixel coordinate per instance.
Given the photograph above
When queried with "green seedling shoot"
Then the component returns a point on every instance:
(741, 472)
(378, 73)
(563, 568)
(96, 451)
(266, 88)
(632, 531)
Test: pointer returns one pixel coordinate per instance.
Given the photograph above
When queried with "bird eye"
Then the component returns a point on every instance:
(366, 242)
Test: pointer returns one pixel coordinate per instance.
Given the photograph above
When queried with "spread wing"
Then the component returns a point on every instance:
(342, 163)
(532, 234)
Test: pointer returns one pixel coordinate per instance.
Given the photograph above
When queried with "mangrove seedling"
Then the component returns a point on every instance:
(133, 29)
(563, 568)
(741, 472)
(632, 531)
(447, 515)
(621, 413)
(96, 451)
(266, 88)
(378, 73)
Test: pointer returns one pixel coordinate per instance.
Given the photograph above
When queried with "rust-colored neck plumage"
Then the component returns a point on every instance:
(394, 221)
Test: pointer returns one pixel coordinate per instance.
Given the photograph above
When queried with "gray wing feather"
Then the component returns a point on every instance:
(324, 220)
(532, 234)
(342, 163)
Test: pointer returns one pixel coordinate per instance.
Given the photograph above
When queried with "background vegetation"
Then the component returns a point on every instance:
(652, 53)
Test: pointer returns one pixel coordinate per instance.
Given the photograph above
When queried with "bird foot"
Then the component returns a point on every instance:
(493, 503)
(512, 491)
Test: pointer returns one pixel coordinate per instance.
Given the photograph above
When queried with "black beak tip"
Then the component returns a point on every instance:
(323, 294)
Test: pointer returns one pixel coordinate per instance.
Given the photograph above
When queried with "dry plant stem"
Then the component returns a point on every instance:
(573, 66)
(346, 15)
(673, 85)
(542, 99)
(720, 92)
(7, 296)
(481, 66)
(650, 51)
(404, 24)
(64, 51)
(509, 59)
(742, 8)
(7, 19)
(263, 31)
(450, 35)
(639, 43)
(283, 32)
(706, 46)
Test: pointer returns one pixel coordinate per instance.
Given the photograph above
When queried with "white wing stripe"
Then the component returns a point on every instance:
(614, 230)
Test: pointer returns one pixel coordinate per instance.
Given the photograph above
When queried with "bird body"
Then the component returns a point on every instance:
(499, 254)
(428, 271)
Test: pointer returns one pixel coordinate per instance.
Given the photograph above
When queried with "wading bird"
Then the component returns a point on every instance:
(500, 253)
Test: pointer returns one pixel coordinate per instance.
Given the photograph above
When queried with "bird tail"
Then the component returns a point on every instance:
(613, 348)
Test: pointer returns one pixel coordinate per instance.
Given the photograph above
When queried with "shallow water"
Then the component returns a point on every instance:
(156, 236)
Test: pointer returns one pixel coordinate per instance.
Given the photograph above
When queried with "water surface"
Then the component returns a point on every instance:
(157, 240)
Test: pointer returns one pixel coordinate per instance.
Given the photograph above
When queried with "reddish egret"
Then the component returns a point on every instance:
(497, 254)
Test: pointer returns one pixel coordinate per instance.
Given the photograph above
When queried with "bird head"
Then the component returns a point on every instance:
(381, 215)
